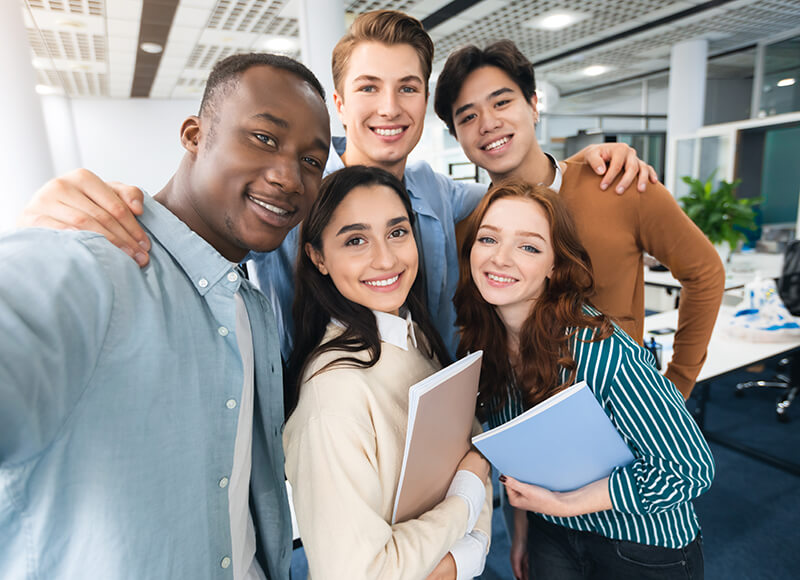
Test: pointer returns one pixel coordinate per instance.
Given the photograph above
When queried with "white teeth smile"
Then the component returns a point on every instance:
(270, 207)
(386, 282)
(496, 144)
(496, 278)
(388, 132)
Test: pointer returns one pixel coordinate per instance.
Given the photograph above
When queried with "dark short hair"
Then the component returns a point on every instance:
(226, 73)
(503, 54)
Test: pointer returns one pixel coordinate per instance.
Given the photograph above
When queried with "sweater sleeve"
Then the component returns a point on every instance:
(670, 236)
(674, 464)
(333, 466)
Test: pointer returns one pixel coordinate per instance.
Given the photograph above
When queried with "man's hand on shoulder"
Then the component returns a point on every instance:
(80, 200)
(614, 159)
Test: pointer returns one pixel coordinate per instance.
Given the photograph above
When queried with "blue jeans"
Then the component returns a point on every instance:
(559, 553)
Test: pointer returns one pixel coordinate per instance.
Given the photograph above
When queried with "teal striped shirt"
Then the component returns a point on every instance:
(673, 464)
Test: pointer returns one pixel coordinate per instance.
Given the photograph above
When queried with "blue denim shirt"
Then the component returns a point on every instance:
(119, 392)
(439, 203)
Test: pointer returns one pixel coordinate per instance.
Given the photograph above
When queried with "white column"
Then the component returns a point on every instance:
(321, 26)
(25, 161)
(645, 107)
(687, 96)
(61, 135)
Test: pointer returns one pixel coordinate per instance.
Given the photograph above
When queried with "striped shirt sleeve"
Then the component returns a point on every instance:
(673, 463)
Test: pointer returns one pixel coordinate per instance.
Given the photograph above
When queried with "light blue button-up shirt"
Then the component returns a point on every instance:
(119, 395)
(439, 204)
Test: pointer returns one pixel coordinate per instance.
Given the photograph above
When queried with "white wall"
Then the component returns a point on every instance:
(136, 141)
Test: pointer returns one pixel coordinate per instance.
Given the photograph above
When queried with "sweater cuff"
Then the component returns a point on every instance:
(470, 488)
(469, 554)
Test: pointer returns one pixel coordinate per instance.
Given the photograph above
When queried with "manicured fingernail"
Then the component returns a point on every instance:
(620, 189)
(136, 205)
(140, 258)
(601, 168)
(144, 245)
(603, 186)
(502, 478)
(642, 186)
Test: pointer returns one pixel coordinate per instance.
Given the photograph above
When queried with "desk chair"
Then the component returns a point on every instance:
(788, 376)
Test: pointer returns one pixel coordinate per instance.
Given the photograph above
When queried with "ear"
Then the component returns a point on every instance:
(535, 106)
(550, 272)
(316, 258)
(338, 101)
(190, 134)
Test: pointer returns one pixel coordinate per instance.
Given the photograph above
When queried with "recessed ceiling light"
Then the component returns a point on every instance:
(70, 23)
(151, 47)
(48, 90)
(556, 19)
(280, 44)
(595, 70)
(786, 82)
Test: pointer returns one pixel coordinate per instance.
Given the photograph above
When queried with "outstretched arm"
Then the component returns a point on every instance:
(80, 200)
(609, 159)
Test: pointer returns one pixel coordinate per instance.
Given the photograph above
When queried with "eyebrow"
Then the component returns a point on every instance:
(519, 233)
(283, 123)
(496, 93)
(359, 227)
(373, 78)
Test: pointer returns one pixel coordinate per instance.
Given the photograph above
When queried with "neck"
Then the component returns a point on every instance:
(535, 168)
(513, 317)
(353, 156)
(177, 196)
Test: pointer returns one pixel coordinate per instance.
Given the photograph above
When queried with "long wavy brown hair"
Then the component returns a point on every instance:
(544, 340)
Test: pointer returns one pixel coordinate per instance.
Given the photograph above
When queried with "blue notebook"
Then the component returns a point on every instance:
(561, 444)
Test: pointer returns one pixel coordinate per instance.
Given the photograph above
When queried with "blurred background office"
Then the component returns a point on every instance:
(709, 90)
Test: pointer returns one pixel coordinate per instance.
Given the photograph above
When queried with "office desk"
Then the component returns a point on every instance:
(740, 269)
(725, 354)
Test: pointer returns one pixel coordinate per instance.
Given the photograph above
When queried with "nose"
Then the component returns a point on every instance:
(284, 172)
(389, 105)
(502, 255)
(383, 257)
(489, 122)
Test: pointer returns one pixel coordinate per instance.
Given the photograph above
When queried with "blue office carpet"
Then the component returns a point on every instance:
(751, 515)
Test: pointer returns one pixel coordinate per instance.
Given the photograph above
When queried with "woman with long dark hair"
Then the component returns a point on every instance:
(523, 298)
(362, 338)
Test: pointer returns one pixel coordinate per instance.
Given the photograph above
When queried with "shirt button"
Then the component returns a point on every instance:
(225, 562)
(223, 483)
(202, 283)
(222, 331)
(230, 403)
(232, 277)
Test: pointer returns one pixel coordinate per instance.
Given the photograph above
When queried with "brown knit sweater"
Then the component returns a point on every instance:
(616, 230)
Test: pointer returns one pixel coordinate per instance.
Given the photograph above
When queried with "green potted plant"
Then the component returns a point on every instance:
(719, 214)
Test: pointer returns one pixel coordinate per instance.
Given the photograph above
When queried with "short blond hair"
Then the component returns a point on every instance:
(389, 27)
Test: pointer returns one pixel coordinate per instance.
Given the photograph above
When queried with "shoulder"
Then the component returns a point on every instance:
(48, 254)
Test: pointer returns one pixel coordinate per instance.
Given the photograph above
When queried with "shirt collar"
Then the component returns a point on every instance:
(396, 330)
(338, 145)
(204, 266)
(558, 177)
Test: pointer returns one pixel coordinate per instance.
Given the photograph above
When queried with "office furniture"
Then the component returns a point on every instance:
(725, 354)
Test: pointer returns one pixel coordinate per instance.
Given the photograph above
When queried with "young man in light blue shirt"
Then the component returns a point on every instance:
(136, 403)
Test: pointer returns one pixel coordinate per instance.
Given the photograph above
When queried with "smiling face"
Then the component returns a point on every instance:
(382, 105)
(495, 123)
(512, 256)
(368, 249)
(256, 161)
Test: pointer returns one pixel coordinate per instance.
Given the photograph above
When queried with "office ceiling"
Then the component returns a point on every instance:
(92, 48)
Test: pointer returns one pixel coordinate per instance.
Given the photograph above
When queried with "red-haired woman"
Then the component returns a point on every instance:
(523, 298)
